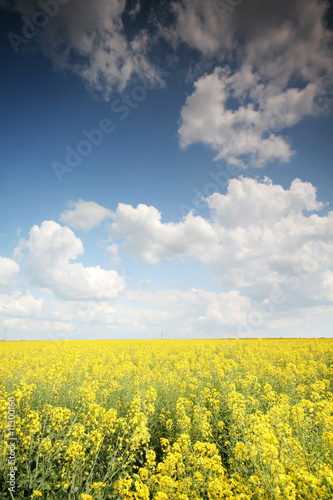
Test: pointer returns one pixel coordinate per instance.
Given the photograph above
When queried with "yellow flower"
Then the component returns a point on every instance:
(161, 496)
(143, 473)
(84, 496)
(160, 405)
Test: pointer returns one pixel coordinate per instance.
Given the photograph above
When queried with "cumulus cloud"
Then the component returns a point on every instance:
(249, 202)
(257, 235)
(8, 269)
(283, 73)
(89, 39)
(21, 304)
(147, 238)
(245, 135)
(84, 215)
(50, 250)
(265, 231)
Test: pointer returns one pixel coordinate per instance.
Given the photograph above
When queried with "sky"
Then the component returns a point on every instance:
(166, 169)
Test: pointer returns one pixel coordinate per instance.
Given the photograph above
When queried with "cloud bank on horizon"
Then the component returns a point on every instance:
(269, 249)
(256, 69)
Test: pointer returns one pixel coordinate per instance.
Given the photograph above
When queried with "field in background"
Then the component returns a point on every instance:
(172, 419)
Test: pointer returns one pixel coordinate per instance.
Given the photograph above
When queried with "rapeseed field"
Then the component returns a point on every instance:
(167, 420)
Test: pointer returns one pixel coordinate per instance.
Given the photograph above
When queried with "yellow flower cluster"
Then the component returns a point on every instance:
(169, 420)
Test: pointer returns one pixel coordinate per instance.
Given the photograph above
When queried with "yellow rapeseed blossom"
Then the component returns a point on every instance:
(36, 493)
(85, 496)
(169, 420)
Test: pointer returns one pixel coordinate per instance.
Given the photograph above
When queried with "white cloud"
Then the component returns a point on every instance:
(256, 236)
(89, 39)
(21, 304)
(84, 215)
(252, 203)
(246, 134)
(284, 72)
(47, 264)
(8, 269)
(151, 240)
(265, 233)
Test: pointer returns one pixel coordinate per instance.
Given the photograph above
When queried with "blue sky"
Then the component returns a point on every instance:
(166, 166)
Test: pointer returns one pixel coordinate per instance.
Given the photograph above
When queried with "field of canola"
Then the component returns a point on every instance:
(168, 420)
